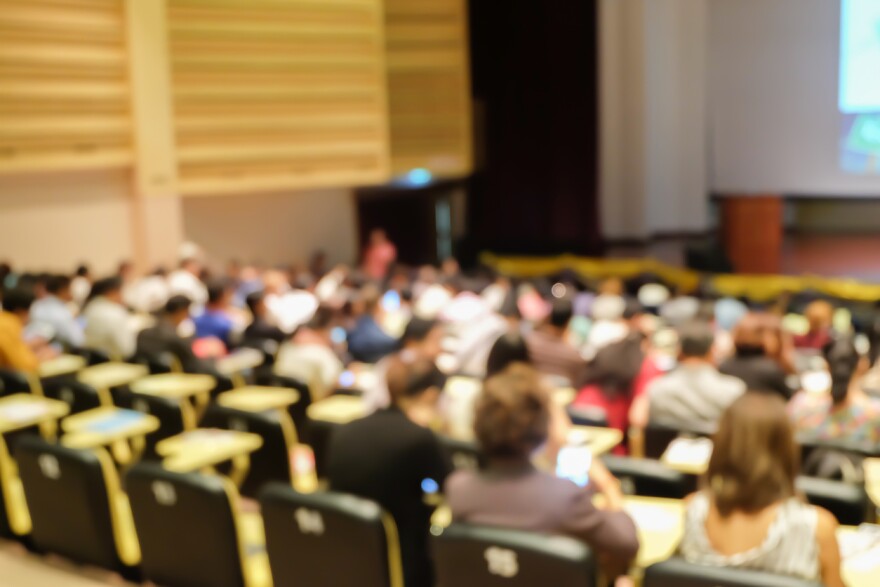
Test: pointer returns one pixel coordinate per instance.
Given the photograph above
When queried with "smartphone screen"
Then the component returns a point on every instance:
(391, 301)
(347, 379)
(573, 463)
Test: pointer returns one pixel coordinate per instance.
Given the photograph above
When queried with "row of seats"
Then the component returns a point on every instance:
(185, 530)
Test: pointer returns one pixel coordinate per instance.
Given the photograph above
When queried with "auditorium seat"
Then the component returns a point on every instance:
(678, 573)
(76, 394)
(847, 501)
(12, 382)
(77, 507)
(463, 454)
(272, 461)
(649, 477)
(587, 416)
(175, 416)
(191, 532)
(477, 556)
(297, 411)
(329, 540)
(159, 363)
(15, 520)
(659, 435)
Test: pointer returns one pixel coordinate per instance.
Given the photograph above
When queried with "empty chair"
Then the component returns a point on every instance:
(659, 435)
(272, 461)
(847, 501)
(329, 540)
(159, 363)
(78, 395)
(175, 416)
(77, 508)
(650, 477)
(477, 556)
(190, 532)
(678, 573)
(297, 411)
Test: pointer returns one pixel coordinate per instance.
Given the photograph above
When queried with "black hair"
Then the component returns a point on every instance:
(843, 359)
(177, 304)
(18, 300)
(81, 270)
(616, 366)
(322, 319)
(103, 287)
(417, 330)
(561, 312)
(253, 300)
(696, 339)
(217, 288)
(56, 283)
(509, 348)
(632, 308)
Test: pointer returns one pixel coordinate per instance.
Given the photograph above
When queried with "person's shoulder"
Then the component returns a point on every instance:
(826, 523)
(460, 482)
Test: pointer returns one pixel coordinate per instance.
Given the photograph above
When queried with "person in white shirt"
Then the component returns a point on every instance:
(148, 294)
(309, 356)
(185, 281)
(288, 308)
(54, 313)
(109, 327)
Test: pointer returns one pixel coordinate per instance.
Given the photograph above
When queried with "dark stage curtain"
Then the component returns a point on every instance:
(535, 72)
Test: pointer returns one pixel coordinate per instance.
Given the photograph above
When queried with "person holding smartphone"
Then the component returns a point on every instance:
(512, 422)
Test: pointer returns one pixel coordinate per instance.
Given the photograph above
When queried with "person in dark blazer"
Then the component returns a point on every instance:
(752, 361)
(391, 457)
(512, 421)
(163, 337)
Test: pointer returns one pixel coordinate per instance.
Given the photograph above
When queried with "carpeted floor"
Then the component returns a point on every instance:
(19, 568)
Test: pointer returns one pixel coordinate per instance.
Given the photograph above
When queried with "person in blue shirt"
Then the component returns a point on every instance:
(215, 321)
(53, 312)
(367, 342)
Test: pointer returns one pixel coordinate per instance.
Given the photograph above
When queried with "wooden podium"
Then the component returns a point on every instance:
(752, 230)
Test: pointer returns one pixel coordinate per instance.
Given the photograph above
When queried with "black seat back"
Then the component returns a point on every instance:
(76, 394)
(69, 500)
(175, 416)
(587, 416)
(650, 477)
(463, 454)
(659, 435)
(13, 382)
(297, 411)
(847, 501)
(186, 527)
(271, 462)
(477, 556)
(677, 573)
(308, 536)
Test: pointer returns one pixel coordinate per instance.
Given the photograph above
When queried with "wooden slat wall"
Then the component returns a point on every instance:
(64, 100)
(429, 86)
(275, 94)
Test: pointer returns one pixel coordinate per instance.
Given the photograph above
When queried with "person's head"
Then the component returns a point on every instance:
(423, 336)
(219, 294)
(696, 340)
(109, 288)
(191, 265)
(177, 309)
(819, 315)
(82, 271)
(378, 236)
(18, 301)
(322, 322)
(561, 311)
(256, 303)
(125, 270)
(510, 348)
(512, 416)
(59, 286)
(749, 335)
(616, 366)
(755, 460)
(412, 382)
(845, 365)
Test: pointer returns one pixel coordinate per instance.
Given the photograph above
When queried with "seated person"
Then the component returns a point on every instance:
(512, 422)
(752, 361)
(15, 352)
(694, 393)
(388, 455)
(260, 329)
(820, 317)
(53, 312)
(748, 513)
(215, 321)
(847, 412)
(367, 342)
(163, 337)
(550, 351)
(109, 328)
(309, 356)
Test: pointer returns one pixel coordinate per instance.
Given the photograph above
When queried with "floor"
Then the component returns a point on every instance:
(19, 568)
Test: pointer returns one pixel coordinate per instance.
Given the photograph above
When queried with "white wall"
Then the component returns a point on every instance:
(274, 228)
(773, 89)
(54, 221)
(652, 117)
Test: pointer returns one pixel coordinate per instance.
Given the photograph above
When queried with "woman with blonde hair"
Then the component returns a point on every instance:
(748, 513)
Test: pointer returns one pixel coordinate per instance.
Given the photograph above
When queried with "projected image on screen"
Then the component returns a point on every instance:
(860, 85)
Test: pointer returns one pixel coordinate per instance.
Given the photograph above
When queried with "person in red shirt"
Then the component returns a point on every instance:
(380, 255)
